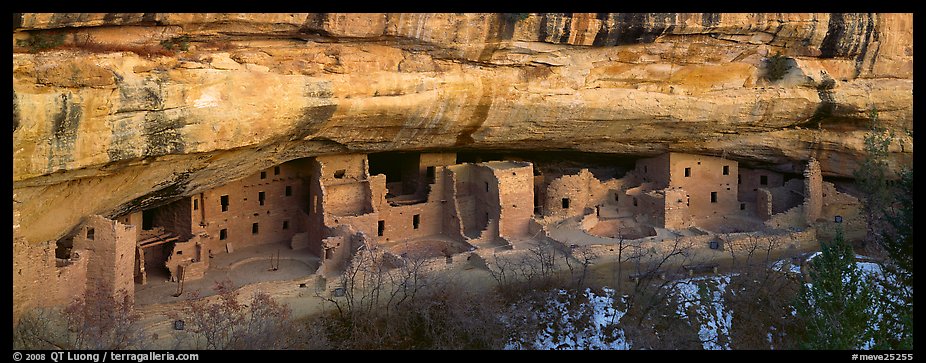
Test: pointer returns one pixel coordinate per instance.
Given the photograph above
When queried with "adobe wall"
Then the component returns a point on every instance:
(348, 198)
(676, 214)
(353, 165)
(192, 256)
(244, 209)
(39, 282)
(515, 197)
(793, 217)
(854, 225)
(134, 219)
(651, 207)
(477, 197)
(654, 170)
(788, 196)
(764, 204)
(111, 265)
(452, 224)
(175, 218)
(706, 176)
(338, 249)
(750, 182)
(426, 160)
(575, 188)
(399, 224)
(813, 191)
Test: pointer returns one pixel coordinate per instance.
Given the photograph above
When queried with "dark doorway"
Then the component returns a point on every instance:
(147, 219)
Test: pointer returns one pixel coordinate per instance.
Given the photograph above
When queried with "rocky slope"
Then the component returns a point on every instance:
(115, 112)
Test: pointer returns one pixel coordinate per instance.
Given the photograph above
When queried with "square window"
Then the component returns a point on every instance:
(565, 203)
(726, 170)
(713, 197)
(285, 224)
(263, 175)
(416, 220)
(261, 196)
(224, 203)
(289, 191)
(763, 180)
(223, 234)
(742, 206)
(195, 204)
(380, 228)
(90, 233)
(687, 172)
(254, 228)
(276, 170)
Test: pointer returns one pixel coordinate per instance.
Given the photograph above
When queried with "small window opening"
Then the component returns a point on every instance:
(276, 170)
(224, 203)
(285, 224)
(713, 197)
(416, 220)
(263, 175)
(261, 196)
(254, 228)
(380, 228)
(634, 201)
(339, 174)
(565, 203)
(289, 191)
(739, 179)
(616, 197)
(195, 204)
(726, 170)
(487, 186)
(763, 180)
(742, 206)
(90, 233)
(328, 253)
(687, 172)
(223, 234)
(179, 252)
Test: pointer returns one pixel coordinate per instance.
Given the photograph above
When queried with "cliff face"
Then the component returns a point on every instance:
(114, 112)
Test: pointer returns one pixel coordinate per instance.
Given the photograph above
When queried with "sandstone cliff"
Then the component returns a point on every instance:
(115, 112)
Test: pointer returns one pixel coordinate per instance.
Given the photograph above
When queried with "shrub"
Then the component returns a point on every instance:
(776, 67)
(181, 43)
(41, 41)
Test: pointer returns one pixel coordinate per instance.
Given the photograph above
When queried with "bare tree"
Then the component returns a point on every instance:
(222, 322)
(96, 320)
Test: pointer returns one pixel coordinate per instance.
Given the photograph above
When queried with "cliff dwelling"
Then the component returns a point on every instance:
(315, 213)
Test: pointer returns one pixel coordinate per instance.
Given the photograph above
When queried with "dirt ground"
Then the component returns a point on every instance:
(295, 284)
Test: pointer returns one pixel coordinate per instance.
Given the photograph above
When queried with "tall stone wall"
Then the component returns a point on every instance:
(813, 191)
(111, 265)
(515, 197)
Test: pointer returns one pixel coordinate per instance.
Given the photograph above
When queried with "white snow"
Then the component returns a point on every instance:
(562, 334)
(700, 301)
(713, 317)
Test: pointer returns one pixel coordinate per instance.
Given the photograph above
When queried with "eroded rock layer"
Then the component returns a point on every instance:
(117, 112)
